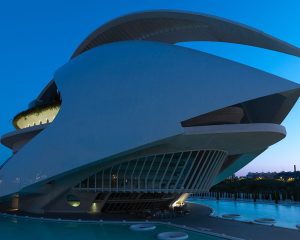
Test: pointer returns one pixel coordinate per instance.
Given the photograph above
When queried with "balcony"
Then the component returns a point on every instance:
(36, 116)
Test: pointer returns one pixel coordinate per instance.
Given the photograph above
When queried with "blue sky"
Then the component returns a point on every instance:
(37, 37)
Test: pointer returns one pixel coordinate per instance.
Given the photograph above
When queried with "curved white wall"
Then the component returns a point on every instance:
(124, 95)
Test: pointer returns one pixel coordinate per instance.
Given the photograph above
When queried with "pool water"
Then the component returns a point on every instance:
(15, 228)
(285, 215)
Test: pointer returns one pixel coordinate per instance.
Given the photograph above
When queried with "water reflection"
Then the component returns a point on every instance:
(286, 215)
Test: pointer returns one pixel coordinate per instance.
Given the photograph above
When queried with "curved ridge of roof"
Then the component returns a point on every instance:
(179, 26)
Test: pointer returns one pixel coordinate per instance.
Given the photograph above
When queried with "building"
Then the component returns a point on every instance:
(267, 175)
(135, 122)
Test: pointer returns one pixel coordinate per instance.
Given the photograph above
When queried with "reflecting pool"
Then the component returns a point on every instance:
(12, 228)
(286, 215)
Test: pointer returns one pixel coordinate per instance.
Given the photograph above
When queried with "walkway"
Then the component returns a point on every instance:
(199, 218)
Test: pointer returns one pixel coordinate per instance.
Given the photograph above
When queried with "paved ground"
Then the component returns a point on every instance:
(199, 218)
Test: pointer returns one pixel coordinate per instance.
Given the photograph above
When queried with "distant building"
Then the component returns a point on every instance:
(261, 175)
(233, 176)
(287, 175)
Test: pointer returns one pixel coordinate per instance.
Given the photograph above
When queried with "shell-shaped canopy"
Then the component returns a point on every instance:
(142, 105)
(176, 26)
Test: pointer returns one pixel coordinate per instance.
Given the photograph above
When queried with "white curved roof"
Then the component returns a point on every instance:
(143, 96)
(177, 26)
(173, 27)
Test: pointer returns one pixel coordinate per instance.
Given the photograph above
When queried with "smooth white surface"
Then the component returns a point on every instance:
(121, 96)
(236, 128)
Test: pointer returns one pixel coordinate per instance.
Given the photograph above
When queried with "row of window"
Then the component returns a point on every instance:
(181, 170)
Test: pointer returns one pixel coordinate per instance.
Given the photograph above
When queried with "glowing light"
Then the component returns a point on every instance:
(94, 207)
(36, 116)
(291, 179)
(180, 201)
(281, 179)
(74, 204)
(73, 200)
(15, 201)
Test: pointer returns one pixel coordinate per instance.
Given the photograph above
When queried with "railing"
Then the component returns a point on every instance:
(258, 196)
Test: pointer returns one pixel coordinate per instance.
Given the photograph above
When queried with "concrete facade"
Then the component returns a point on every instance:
(146, 119)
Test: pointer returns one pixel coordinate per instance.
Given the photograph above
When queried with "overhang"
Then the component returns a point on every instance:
(177, 26)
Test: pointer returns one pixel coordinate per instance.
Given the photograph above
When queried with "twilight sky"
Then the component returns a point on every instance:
(37, 37)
